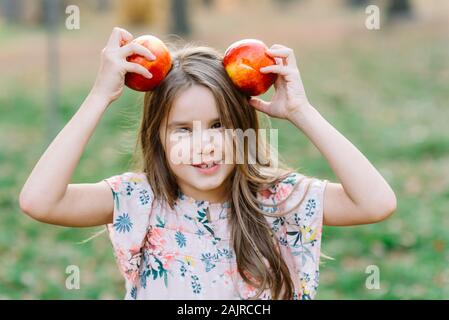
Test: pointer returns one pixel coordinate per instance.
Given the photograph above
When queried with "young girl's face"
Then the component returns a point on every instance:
(194, 145)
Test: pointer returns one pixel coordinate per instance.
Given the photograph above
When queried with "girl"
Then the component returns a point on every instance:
(207, 229)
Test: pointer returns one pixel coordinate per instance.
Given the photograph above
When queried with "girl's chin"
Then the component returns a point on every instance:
(214, 175)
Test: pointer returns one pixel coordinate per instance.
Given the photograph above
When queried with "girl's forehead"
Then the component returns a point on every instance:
(194, 103)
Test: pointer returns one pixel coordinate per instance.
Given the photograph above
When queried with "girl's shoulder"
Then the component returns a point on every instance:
(130, 189)
(133, 200)
(298, 194)
(292, 184)
(126, 177)
(127, 182)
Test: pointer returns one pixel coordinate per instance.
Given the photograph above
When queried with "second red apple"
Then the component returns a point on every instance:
(242, 61)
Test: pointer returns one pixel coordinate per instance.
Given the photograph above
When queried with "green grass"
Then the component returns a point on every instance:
(388, 95)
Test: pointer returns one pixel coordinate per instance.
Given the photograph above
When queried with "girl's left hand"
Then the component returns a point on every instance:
(289, 98)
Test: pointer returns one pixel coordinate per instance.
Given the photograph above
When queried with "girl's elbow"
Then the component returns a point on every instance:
(385, 210)
(31, 208)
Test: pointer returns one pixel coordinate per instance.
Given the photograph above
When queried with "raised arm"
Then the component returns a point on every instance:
(47, 194)
(363, 196)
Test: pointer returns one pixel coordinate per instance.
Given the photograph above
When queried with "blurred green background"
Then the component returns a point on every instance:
(386, 90)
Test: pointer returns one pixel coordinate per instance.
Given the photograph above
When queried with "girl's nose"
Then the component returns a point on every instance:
(207, 145)
(208, 149)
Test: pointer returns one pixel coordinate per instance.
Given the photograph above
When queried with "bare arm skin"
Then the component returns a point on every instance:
(47, 195)
(363, 196)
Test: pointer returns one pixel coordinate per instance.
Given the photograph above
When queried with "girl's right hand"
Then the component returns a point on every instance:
(113, 66)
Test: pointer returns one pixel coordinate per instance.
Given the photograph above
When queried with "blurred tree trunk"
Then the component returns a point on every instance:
(137, 12)
(357, 3)
(283, 3)
(180, 22)
(103, 5)
(399, 9)
(208, 3)
(12, 10)
(52, 9)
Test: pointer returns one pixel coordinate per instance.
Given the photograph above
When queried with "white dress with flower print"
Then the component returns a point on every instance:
(186, 252)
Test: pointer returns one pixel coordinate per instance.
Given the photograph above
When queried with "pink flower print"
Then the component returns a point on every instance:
(116, 183)
(155, 240)
(282, 193)
(167, 259)
(132, 276)
(248, 290)
(228, 275)
(266, 194)
(128, 267)
(134, 250)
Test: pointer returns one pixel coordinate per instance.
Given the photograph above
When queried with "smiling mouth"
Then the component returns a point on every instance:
(205, 165)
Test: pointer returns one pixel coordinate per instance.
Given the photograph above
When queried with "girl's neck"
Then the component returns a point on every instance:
(217, 195)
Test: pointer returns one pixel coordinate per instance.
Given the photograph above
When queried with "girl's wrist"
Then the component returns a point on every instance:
(101, 99)
(98, 101)
(302, 116)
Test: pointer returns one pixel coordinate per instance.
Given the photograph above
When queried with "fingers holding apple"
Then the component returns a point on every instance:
(285, 63)
(134, 48)
(289, 97)
(140, 63)
(242, 61)
(114, 66)
(152, 54)
(119, 37)
(282, 52)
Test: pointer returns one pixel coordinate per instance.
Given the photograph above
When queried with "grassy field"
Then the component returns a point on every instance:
(387, 92)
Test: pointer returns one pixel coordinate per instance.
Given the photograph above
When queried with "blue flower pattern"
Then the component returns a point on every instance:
(123, 223)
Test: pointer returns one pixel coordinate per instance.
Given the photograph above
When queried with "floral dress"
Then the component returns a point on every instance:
(186, 252)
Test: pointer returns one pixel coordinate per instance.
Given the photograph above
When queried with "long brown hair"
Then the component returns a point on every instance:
(259, 261)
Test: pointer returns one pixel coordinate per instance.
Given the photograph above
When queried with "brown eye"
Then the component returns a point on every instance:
(216, 125)
(183, 130)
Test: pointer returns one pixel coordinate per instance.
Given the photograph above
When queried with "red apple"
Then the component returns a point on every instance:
(158, 68)
(242, 61)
